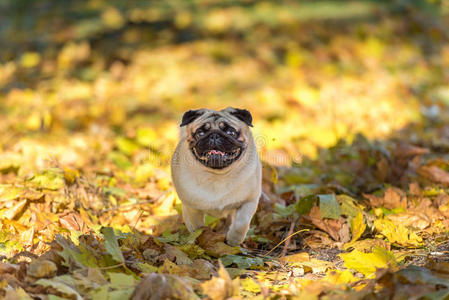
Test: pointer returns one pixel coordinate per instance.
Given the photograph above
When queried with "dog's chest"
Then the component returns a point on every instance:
(214, 193)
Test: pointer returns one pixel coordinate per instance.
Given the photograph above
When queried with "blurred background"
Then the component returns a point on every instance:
(100, 86)
(350, 101)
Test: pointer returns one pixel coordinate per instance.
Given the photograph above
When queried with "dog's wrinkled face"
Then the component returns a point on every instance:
(217, 138)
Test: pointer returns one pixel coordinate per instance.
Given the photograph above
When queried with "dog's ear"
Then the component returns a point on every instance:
(190, 116)
(243, 115)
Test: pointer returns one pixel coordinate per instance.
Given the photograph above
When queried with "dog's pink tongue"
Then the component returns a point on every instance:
(216, 152)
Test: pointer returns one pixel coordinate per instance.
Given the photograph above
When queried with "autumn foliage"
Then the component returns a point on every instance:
(350, 101)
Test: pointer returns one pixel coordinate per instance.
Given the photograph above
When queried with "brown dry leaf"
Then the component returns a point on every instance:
(414, 189)
(331, 226)
(15, 210)
(163, 286)
(171, 268)
(374, 201)
(32, 195)
(8, 268)
(174, 253)
(405, 151)
(344, 234)
(27, 236)
(318, 240)
(202, 269)
(415, 220)
(11, 280)
(73, 221)
(394, 198)
(438, 266)
(220, 249)
(210, 237)
(433, 173)
(221, 287)
(366, 245)
(214, 244)
(95, 275)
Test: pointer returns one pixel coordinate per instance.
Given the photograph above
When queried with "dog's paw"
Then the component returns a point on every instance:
(234, 239)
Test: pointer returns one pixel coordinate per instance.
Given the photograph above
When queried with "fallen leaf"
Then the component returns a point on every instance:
(213, 244)
(221, 287)
(435, 174)
(340, 276)
(17, 294)
(295, 258)
(415, 220)
(202, 269)
(348, 206)
(332, 227)
(51, 179)
(176, 254)
(329, 207)
(397, 233)
(250, 285)
(42, 269)
(60, 286)
(8, 268)
(366, 245)
(163, 286)
(358, 227)
(414, 189)
(242, 262)
(368, 263)
(121, 280)
(111, 244)
(394, 198)
(73, 221)
(15, 210)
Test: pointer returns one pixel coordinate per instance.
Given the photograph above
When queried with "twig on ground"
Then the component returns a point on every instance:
(299, 231)
(289, 235)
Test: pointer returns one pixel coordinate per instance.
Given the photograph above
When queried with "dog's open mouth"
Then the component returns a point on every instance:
(217, 159)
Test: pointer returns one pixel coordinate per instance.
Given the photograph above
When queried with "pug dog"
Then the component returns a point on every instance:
(216, 170)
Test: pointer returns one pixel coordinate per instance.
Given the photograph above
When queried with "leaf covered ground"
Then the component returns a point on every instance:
(350, 101)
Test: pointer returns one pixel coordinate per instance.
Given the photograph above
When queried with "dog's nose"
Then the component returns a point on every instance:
(215, 139)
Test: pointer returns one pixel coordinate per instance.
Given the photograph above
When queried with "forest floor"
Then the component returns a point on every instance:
(350, 102)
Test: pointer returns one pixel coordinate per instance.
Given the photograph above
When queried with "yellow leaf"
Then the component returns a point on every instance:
(34, 121)
(368, 263)
(397, 233)
(30, 59)
(316, 265)
(295, 258)
(221, 287)
(340, 277)
(144, 172)
(112, 18)
(250, 285)
(70, 175)
(357, 227)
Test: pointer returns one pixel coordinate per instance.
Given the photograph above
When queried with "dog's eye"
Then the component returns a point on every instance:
(200, 132)
(231, 132)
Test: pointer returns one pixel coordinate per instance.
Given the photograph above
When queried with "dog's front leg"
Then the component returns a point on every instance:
(240, 223)
(193, 218)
